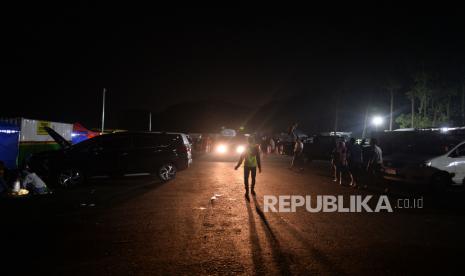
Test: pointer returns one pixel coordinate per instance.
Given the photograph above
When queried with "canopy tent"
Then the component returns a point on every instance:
(80, 133)
(9, 144)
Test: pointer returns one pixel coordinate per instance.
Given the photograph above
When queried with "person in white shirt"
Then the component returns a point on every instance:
(375, 164)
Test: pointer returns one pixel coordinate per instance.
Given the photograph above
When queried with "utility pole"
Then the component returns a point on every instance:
(392, 109)
(103, 110)
(463, 104)
(413, 111)
(336, 114)
(150, 121)
(365, 122)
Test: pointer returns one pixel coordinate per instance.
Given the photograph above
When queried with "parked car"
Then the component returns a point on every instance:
(408, 157)
(453, 162)
(320, 147)
(119, 154)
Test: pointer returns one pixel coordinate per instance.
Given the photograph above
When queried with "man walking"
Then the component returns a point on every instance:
(251, 159)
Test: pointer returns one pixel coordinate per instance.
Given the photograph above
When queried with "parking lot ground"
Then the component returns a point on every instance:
(200, 223)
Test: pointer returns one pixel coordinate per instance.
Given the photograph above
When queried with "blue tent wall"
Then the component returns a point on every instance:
(9, 139)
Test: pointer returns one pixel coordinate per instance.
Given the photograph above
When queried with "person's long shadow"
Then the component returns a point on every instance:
(320, 258)
(257, 257)
(279, 257)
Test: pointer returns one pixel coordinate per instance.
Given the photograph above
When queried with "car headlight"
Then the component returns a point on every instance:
(428, 163)
(240, 149)
(221, 148)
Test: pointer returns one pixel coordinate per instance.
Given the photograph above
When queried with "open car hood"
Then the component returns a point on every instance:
(64, 144)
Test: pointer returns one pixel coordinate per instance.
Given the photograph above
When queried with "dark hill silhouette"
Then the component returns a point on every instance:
(314, 114)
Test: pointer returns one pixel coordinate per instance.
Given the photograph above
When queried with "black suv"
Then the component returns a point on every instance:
(117, 154)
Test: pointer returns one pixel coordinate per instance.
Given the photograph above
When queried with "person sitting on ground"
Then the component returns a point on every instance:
(32, 182)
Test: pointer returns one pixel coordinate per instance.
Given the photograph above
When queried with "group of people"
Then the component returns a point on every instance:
(270, 145)
(351, 160)
(17, 182)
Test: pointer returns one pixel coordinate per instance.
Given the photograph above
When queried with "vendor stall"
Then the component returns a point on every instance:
(9, 142)
(33, 137)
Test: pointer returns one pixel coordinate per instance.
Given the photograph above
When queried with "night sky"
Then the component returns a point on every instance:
(56, 62)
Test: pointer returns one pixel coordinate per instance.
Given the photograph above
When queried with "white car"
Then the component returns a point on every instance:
(453, 162)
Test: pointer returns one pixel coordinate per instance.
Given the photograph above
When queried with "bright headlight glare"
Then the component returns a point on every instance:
(240, 149)
(221, 149)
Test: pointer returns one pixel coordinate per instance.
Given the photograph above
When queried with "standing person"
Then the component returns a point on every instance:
(292, 128)
(355, 161)
(340, 161)
(298, 148)
(297, 159)
(279, 146)
(334, 160)
(264, 144)
(272, 145)
(208, 144)
(251, 159)
(375, 163)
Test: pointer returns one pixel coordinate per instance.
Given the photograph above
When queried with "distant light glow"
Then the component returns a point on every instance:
(444, 129)
(8, 131)
(377, 120)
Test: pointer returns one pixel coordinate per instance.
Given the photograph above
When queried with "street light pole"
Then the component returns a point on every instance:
(150, 121)
(392, 109)
(336, 117)
(103, 111)
(365, 122)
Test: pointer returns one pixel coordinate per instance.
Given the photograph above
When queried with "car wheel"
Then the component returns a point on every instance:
(439, 182)
(167, 172)
(70, 177)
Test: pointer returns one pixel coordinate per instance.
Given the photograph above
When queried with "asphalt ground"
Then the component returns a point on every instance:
(201, 223)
